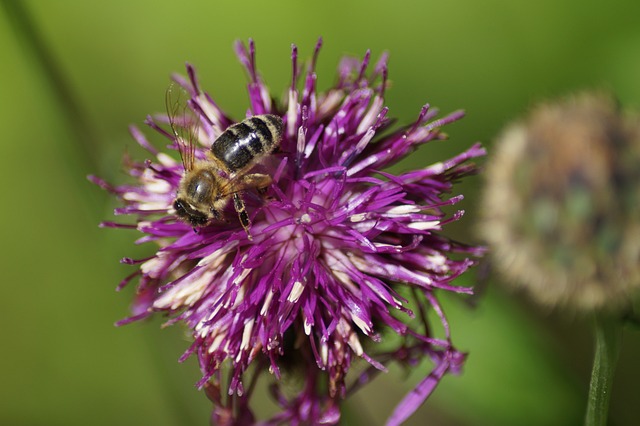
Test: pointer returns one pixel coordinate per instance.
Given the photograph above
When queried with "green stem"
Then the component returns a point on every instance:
(608, 337)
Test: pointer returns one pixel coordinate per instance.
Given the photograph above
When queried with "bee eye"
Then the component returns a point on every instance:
(200, 187)
(179, 208)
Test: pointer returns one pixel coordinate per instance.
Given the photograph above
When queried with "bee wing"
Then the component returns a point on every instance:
(183, 123)
(239, 183)
(230, 187)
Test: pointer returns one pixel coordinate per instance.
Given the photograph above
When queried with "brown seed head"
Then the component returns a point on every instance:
(561, 207)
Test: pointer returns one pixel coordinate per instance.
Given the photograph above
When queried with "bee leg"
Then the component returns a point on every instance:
(238, 204)
(258, 181)
(216, 214)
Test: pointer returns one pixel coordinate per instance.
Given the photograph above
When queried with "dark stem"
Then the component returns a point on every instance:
(608, 334)
(632, 319)
(25, 29)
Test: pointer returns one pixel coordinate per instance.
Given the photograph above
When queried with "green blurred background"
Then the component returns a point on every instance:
(64, 363)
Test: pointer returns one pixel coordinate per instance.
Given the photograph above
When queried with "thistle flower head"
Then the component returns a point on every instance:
(338, 247)
(561, 203)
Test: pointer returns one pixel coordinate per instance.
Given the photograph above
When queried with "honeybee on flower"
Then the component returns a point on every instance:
(318, 277)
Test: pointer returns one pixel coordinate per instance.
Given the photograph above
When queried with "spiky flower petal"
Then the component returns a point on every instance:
(341, 254)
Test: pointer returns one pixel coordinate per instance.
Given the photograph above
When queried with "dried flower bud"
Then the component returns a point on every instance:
(561, 203)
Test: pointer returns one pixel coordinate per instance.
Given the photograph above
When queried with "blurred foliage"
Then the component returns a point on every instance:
(64, 363)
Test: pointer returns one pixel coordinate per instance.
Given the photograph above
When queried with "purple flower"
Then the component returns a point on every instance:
(344, 255)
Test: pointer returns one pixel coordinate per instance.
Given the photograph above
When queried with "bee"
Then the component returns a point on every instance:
(207, 185)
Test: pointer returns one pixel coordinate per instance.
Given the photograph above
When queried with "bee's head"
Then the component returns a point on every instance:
(187, 213)
(197, 191)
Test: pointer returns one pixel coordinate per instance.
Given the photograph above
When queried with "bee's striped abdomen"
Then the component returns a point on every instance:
(244, 143)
